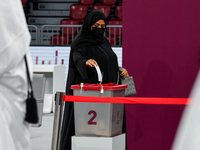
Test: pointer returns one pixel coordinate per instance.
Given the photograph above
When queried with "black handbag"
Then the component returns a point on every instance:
(31, 106)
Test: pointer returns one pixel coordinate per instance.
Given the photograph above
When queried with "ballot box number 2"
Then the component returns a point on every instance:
(93, 116)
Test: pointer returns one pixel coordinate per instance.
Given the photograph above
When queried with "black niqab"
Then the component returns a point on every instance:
(85, 36)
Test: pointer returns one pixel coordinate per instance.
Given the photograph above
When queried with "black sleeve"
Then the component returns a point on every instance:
(79, 58)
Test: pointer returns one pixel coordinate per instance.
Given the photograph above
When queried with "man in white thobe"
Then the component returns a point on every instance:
(188, 135)
(14, 44)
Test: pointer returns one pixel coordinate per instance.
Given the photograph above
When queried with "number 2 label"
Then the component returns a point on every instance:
(91, 121)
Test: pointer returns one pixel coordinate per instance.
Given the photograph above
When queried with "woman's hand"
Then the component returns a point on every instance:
(124, 73)
(91, 63)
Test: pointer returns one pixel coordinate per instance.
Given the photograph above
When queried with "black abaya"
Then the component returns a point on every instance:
(86, 46)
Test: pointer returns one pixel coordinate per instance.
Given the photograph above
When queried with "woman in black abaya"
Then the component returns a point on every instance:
(88, 49)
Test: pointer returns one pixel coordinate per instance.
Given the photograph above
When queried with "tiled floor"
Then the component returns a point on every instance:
(41, 137)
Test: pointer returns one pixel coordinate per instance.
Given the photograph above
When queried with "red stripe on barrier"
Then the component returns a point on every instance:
(127, 100)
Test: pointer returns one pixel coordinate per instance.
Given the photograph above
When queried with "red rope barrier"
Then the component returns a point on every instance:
(127, 100)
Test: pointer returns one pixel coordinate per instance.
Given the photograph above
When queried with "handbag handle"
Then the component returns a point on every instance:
(28, 76)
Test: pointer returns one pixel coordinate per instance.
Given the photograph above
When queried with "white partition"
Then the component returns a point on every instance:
(51, 55)
(55, 82)
(38, 84)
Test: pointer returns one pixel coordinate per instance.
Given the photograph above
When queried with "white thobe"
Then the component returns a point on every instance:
(14, 44)
(188, 135)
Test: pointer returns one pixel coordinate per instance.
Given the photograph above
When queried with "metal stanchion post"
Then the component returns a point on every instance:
(57, 126)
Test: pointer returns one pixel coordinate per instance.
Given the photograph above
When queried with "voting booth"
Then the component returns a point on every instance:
(55, 81)
(98, 122)
(38, 83)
